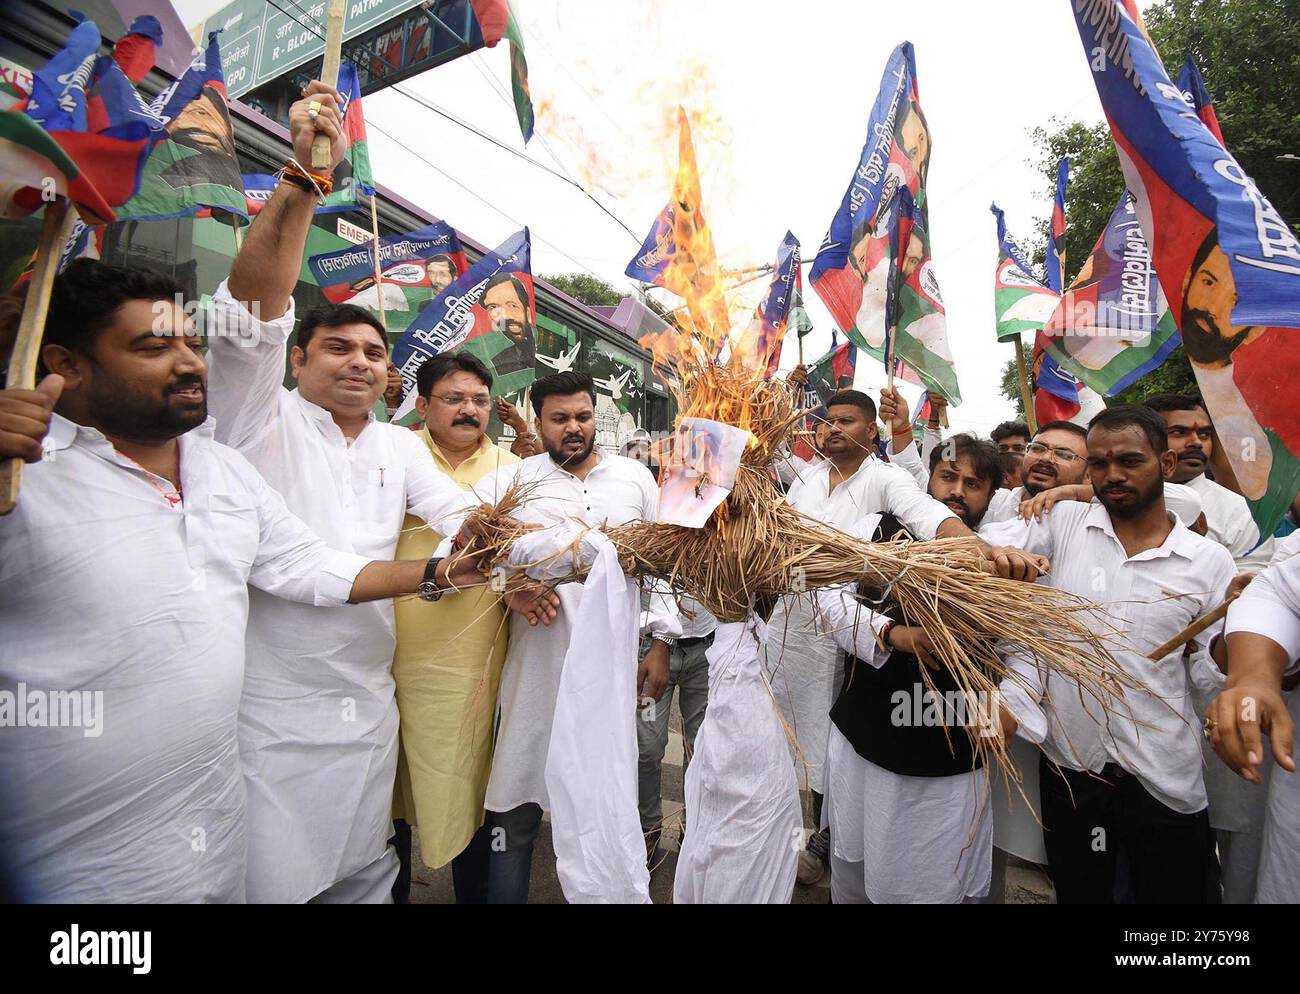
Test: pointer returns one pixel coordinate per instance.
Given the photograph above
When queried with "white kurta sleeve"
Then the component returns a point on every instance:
(1270, 606)
(663, 616)
(1022, 694)
(852, 625)
(1033, 536)
(488, 490)
(293, 562)
(930, 439)
(246, 365)
(430, 493)
(909, 459)
(916, 509)
(1202, 670)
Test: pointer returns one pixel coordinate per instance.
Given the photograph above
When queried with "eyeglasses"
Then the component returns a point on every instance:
(482, 401)
(1062, 454)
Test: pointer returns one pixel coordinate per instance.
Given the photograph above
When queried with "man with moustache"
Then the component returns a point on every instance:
(1135, 773)
(964, 474)
(1056, 457)
(570, 479)
(1227, 515)
(1214, 345)
(441, 270)
(149, 533)
(318, 718)
(449, 655)
(506, 301)
(1237, 807)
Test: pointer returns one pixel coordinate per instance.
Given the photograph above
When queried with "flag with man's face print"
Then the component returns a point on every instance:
(1227, 261)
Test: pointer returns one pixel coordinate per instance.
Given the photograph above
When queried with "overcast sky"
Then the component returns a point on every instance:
(782, 101)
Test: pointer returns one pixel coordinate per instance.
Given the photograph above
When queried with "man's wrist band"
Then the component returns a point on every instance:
(293, 172)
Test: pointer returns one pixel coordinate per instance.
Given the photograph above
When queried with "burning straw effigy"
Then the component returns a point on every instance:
(755, 548)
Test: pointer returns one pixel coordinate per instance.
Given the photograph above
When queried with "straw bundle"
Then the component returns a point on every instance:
(755, 548)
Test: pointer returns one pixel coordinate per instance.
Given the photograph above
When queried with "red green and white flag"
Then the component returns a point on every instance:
(83, 133)
(497, 20)
(1020, 301)
(920, 339)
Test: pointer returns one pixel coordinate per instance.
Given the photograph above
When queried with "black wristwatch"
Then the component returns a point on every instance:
(428, 590)
(885, 631)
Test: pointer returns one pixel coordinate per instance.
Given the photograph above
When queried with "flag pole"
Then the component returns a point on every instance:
(889, 354)
(55, 229)
(1025, 395)
(329, 73)
(239, 235)
(379, 286)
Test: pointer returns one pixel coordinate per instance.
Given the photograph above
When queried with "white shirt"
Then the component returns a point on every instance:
(697, 621)
(1148, 598)
(1004, 505)
(1231, 524)
(617, 490)
(790, 467)
(876, 487)
(318, 720)
(917, 461)
(105, 587)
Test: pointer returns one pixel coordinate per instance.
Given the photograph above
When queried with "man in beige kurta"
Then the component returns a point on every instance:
(449, 654)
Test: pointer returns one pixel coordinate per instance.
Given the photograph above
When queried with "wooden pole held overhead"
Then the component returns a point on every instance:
(329, 73)
(55, 229)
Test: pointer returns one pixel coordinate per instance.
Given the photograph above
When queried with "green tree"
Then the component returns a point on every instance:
(588, 289)
(1010, 385)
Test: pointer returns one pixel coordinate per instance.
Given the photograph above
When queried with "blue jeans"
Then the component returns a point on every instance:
(688, 673)
(510, 859)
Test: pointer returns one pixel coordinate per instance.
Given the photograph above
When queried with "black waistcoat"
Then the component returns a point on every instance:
(883, 712)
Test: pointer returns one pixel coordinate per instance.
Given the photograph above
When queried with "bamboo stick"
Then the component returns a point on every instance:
(329, 73)
(1025, 395)
(379, 279)
(55, 228)
(1190, 632)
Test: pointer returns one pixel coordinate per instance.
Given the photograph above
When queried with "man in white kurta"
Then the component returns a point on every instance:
(1146, 748)
(147, 804)
(898, 839)
(1056, 457)
(611, 491)
(318, 719)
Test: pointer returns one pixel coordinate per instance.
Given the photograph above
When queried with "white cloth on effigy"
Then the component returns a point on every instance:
(746, 828)
(591, 760)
